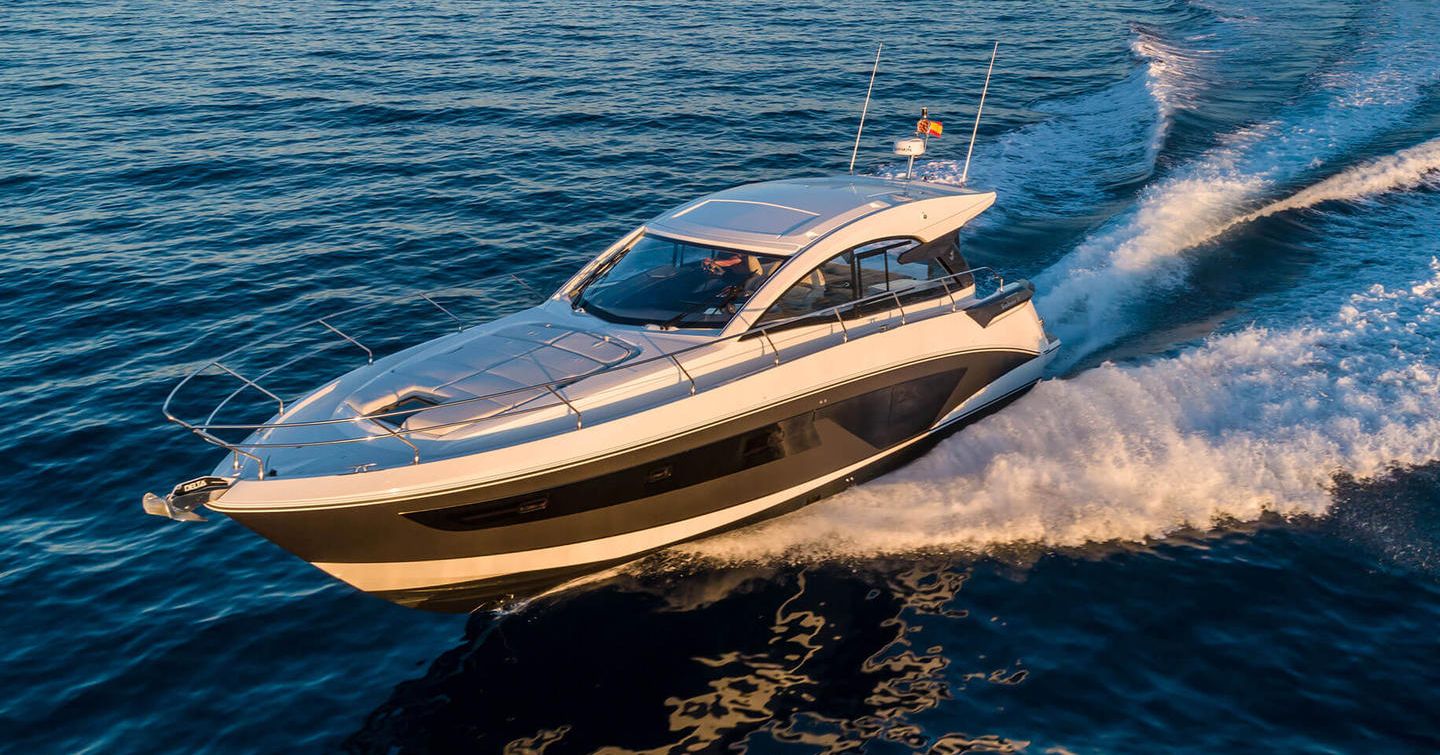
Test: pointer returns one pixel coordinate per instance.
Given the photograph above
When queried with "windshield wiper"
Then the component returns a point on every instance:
(730, 294)
(584, 286)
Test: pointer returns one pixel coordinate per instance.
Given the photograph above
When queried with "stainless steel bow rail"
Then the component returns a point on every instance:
(207, 429)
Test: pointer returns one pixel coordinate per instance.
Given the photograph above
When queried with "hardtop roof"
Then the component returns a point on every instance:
(782, 217)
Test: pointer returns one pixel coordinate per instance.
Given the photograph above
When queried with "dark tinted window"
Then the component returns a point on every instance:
(667, 282)
(870, 271)
(828, 285)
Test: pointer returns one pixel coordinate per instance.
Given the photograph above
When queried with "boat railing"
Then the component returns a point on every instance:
(945, 288)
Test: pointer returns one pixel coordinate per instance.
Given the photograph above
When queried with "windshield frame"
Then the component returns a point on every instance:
(689, 318)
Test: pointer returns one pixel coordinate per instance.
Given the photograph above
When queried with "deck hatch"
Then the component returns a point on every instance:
(404, 409)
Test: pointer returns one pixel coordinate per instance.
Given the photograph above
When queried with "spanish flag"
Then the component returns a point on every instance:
(927, 127)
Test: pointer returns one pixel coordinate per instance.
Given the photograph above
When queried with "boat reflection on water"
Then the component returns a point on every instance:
(827, 657)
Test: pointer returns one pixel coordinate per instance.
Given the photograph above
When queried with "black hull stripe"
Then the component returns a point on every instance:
(756, 463)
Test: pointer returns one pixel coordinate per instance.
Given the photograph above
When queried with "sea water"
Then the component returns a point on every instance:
(1214, 527)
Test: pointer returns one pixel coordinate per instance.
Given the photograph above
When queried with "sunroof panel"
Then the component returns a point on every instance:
(749, 217)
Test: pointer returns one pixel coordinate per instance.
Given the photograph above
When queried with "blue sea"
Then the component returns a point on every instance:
(1215, 527)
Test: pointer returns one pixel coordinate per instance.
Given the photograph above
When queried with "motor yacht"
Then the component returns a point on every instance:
(731, 360)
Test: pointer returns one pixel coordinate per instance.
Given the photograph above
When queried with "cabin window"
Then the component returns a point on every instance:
(902, 270)
(869, 272)
(942, 254)
(672, 283)
(872, 271)
(908, 269)
(886, 266)
(828, 285)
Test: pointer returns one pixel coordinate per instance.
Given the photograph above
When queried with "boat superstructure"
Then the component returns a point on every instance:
(735, 357)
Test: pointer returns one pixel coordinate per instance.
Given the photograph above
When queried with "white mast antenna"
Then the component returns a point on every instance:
(973, 132)
(856, 150)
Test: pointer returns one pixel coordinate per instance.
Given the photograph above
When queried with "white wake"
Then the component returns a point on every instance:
(1085, 296)
(1256, 421)
(1251, 422)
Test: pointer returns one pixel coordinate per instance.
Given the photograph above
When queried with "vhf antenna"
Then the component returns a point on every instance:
(866, 109)
(966, 172)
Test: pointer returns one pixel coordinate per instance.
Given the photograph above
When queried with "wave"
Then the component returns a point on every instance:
(1407, 169)
(1174, 76)
(1084, 304)
(1253, 422)
(1141, 254)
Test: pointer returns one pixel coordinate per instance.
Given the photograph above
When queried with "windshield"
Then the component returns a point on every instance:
(675, 284)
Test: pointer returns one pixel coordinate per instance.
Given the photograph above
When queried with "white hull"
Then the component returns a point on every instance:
(432, 574)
